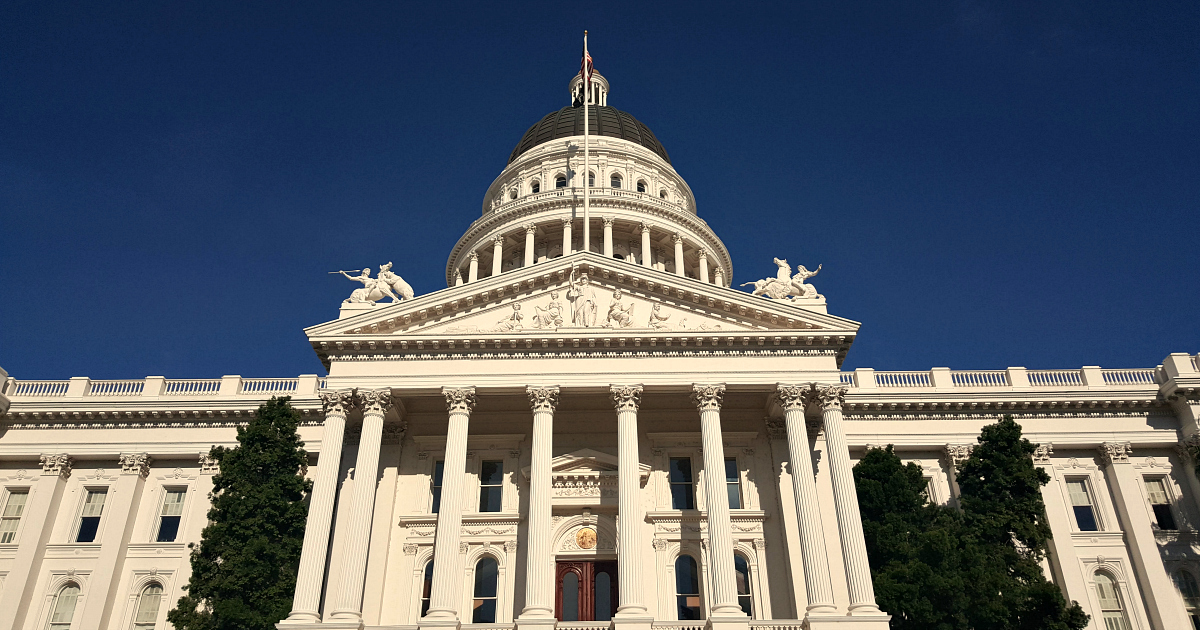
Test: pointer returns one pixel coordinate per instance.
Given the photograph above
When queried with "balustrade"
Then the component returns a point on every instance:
(1055, 378)
(980, 378)
(903, 379)
(116, 388)
(193, 387)
(1137, 376)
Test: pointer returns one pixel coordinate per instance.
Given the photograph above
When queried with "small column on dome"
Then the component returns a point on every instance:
(567, 244)
(703, 254)
(645, 252)
(497, 255)
(473, 274)
(719, 280)
(679, 271)
(530, 246)
(458, 278)
(608, 242)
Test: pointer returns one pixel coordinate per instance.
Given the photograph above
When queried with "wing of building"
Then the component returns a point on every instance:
(586, 432)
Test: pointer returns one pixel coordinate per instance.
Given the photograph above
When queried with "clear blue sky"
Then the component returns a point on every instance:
(987, 184)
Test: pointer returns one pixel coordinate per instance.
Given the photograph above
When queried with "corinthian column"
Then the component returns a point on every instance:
(307, 601)
(567, 239)
(647, 259)
(679, 270)
(539, 562)
(703, 254)
(530, 232)
(497, 255)
(845, 498)
(626, 399)
(374, 403)
(443, 604)
(473, 272)
(720, 530)
(812, 536)
(608, 241)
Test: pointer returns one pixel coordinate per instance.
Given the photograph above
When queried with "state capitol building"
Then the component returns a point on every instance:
(592, 425)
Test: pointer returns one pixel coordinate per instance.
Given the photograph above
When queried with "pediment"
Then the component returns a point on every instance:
(586, 462)
(619, 298)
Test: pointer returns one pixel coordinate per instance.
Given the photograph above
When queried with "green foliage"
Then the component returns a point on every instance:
(940, 568)
(244, 569)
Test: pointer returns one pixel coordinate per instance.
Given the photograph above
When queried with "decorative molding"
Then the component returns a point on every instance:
(958, 454)
(410, 549)
(830, 396)
(135, 463)
(393, 432)
(208, 465)
(460, 399)
(57, 464)
(375, 401)
(463, 547)
(626, 397)
(336, 402)
(543, 398)
(1115, 452)
(708, 397)
(776, 428)
(510, 546)
(791, 396)
(1042, 453)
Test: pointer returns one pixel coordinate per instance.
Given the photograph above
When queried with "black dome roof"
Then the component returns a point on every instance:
(602, 121)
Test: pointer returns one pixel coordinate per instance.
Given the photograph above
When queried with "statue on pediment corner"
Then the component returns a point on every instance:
(388, 284)
(785, 285)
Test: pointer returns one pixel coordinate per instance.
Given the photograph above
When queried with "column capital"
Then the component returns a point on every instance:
(708, 397)
(543, 398)
(645, 227)
(1115, 452)
(336, 402)
(608, 221)
(57, 464)
(791, 397)
(626, 397)
(208, 464)
(677, 238)
(375, 401)
(1188, 447)
(958, 454)
(459, 399)
(567, 221)
(830, 396)
(498, 241)
(702, 252)
(135, 463)
(1042, 453)
(474, 255)
(530, 228)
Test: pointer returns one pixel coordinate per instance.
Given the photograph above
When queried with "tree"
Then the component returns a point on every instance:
(244, 569)
(979, 568)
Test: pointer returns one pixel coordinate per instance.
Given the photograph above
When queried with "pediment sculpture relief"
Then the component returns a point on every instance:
(785, 285)
(387, 284)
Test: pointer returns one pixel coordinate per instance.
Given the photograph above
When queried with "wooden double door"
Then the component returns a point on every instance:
(585, 590)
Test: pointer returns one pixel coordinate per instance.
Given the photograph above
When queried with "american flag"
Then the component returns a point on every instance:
(585, 67)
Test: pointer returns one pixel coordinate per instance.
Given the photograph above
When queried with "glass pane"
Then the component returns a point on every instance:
(485, 577)
(168, 529)
(1078, 491)
(148, 604)
(438, 469)
(681, 470)
(484, 611)
(173, 503)
(603, 588)
(427, 588)
(491, 473)
(742, 570)
(682, 497)
(687, 582)
(1085, 518)
(8, 529)
(64, 605)
(570, 597)
(747, 604)
(1162, 514)
(87, 529)
(94, 505)
(1186, 584)
(15, 505)
(731, 470)
(735, 496)
(1107, 592)
(491, 498)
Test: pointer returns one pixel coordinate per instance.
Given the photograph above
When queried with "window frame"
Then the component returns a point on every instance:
(1109, 613)
(566, 181)
(51, 624)
(535, 186)
(20, 518)
(1169, 503)
(691, 483)
(435, 485)
(425, 595)
(642, 186)
(476, 598)
(497, 488)
(748, 596)
(1089, 490)
(1191, 604)
(78, 527)
(737, 471)
(616, 181)
(137, 606)
(699, 591)
(162, 504)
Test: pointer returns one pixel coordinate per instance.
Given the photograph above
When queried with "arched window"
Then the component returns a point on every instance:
(512, 194)
(662, 194)
(615, 180)
(147, 608)
(560, 181)
(742, 569)
(1110, 603)
(484, 606)
(687, 588)
(641, 185)
(1186, 583)
(535, 186)
(64, 607)
(591, 179)
(426, 588)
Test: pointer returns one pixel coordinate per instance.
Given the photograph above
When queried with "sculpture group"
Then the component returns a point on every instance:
(388, 284)
(785, 285)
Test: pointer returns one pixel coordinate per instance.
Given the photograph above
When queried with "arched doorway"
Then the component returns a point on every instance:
(585, 590)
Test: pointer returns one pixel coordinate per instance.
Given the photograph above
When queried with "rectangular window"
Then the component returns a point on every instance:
(1156, 490)
(683, 495)
(10, 518)
(733, 483)
(89, 521)
(491, 486)
(436, 486)
(1081, 501)
(172, 510)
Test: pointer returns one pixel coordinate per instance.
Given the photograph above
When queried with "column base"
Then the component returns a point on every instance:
(632, 621)
(439, 624)
(318, 625)
(874, 621)
(727, 622)
(535, 623)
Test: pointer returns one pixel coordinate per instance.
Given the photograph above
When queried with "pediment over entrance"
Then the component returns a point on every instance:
(587, 462)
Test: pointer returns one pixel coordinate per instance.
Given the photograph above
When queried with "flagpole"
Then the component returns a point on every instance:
(587, 95)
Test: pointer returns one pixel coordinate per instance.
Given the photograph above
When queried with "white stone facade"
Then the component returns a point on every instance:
(528, 433)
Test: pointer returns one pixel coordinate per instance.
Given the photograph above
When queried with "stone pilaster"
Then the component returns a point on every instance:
(793, 399)
(375, 404)
(307, 601)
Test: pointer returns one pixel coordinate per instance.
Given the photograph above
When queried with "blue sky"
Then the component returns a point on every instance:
(987, 184)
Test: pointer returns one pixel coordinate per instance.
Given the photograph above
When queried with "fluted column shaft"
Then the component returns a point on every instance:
(812, 535)
(375, 403)
(845, 498)
(567, 244)
(307, 601)
(720, 530)
(608, 239)
(719, 277)
(647, 257)
(473, 273)
(703, 265)
(539, 560)
(626, 399)
(530, 246)
(443, 599)
(679, 270)
(497, 255)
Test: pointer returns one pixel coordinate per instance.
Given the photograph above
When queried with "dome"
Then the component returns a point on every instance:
(604, 121)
